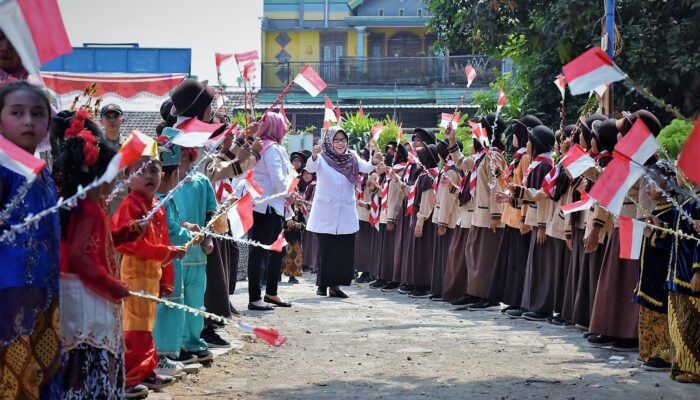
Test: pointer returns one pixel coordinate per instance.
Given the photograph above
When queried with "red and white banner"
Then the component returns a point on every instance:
(133, 92)
(448, 119)
(590, 70)
(130, 151)
(584, 204)
(688, 159)
(638, 144)
(329, 116)
(309, 80)
(470, 72)
(18, 160)
(613, 184)
(247, 56)
(631, 237)
(194, 133)
(35, 29)
(240, 217)
(501, 100)
(577, 161)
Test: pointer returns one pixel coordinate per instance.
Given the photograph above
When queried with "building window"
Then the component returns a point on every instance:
(402, 12)
(419, 12)
(381, 12)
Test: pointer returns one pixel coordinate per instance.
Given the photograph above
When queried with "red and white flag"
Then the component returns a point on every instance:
(293, 185)
(631, 236)
(584, 204)
(194, 133)
(448, 119)
(374, 211)
(218, 59)
(279, 243)
(399, 135)
(251, 186)
(360, 110)
(577, 161)
(479, 133)
(470, 72)
(501, 100)
(375, 133)
(560, 82)
(638, 144)
(329, 117)
(218, 140)
(590, 70)
(309, 80)
(220, 100)
(249, 71)
(284, 114)
(613, 184)
(688, 159)
(337, 113)
(130, 151)
(240, 217)
(247, 56)
(35, 29)
(18, 160)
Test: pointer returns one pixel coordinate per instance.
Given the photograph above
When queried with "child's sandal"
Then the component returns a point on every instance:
(687, 378)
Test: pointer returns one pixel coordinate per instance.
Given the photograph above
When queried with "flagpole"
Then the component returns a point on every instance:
(631, 84)
(278, 99)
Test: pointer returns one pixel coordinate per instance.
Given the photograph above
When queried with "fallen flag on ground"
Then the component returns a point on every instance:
(18, 160)
(590, 70)
(631, 235)
(576, 161)
(309, 80)
(638, 144)
(688, 159)
(240, 217)
(194, 133)
(584, 204)
(35, 29)
(612, 185)
(130, 151)
(470, 72)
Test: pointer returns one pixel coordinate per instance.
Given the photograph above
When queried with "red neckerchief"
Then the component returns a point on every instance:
(516, 159)
(546, 158)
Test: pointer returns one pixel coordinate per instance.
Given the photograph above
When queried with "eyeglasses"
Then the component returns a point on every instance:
(343, 140)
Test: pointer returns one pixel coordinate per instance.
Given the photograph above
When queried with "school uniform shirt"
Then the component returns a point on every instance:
(514, 216)
(366, 196)
(486, 208)
(231, 163)
(333, 210)
(446, 211)
(395, 198)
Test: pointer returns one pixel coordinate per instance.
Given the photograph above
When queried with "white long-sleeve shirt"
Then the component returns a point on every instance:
(271, 174)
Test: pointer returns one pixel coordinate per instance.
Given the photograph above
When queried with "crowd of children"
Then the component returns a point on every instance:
(477, 227)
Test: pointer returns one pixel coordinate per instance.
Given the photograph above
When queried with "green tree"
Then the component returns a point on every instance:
(659, 44)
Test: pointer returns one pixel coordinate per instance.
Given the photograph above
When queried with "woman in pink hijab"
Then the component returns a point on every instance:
(271, 174)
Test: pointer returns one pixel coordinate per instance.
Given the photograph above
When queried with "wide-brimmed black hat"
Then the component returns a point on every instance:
(605, 133)
(425, 134)
(542, 138)
(191, 95)
(300, 155)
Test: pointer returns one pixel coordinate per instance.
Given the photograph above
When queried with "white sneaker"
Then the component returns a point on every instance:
(168, 367)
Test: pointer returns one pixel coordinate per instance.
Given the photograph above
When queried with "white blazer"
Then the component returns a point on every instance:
(271, 174)
(333, 209)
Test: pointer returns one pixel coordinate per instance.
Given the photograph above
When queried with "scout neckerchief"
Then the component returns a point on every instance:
(546, 158)
(516, 159)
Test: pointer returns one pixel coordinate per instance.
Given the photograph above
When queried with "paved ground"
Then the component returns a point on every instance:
(376, 345)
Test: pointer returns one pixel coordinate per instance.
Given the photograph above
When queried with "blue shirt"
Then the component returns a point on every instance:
(194, 200)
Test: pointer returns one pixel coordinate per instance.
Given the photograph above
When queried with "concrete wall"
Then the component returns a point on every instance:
(391, 7)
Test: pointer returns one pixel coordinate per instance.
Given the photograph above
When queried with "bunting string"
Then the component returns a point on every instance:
(16, 200)
(248, 242)
(124, 183)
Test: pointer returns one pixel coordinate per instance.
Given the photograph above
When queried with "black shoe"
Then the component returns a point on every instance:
(203, 356)
(587, 335)
(626, 345)
(157, 382)
(484, 305)
(254, 307)
(213, 340)
(336, 292)
(233, 309)
(597, 340)
(406, 289)
(464, 300)
(516, 313)
(558, 321)
(534, 316)
(293, 280)
(185, 357)
(136, 392)
(656, 364)
(378, 284)
(419, 294)
(503, 310)
(391, 287)
(435, 297)
(364, 278)
(322, 291)
(268, 299)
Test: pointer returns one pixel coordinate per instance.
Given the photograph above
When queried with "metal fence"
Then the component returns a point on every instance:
(403, 71)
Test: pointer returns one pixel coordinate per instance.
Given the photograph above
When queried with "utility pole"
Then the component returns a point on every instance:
(609, 46)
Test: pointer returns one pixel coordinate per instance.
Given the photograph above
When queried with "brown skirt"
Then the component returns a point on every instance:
(420, 267)
(654, 339)
(376, 249)
(441, 248)
(538, 287)
(309, 243)
(386, 254)
(684, 330)
(575, 266)
(481, 253)
(455, 280)
(509, 273)
(291, 262)
(407, 235)
(561, 272)
(363, 244)
(614, 313)
(403, 230)
(587, 286)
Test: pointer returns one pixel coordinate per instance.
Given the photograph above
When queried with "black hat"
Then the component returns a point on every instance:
(307, 153)
(401, 155)
(425, 134)
(605, 133)
(649, 120)
(489, 122)
(521, 126)
(428, 156)
(442, 146)
(542, 139)
(111, 108)
(191, 95)
(298, 154)
(391, 143)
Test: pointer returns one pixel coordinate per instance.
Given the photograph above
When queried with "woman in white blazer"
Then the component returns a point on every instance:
(333, 213)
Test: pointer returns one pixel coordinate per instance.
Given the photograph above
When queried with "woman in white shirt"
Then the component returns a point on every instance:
(333, 213)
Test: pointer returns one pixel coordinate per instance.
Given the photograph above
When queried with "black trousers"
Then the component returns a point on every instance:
(265, 229)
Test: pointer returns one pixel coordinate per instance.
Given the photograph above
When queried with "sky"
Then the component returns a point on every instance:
(205, 26)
